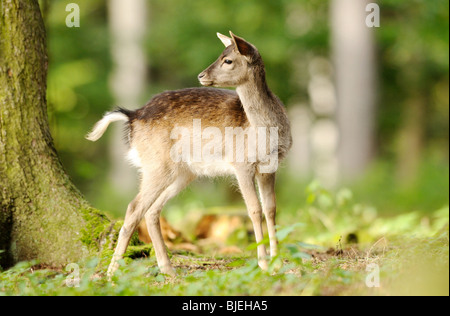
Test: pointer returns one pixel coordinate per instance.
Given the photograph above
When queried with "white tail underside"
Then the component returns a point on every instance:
(100, 127)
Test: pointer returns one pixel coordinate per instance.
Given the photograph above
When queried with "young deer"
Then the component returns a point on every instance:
(152, 143)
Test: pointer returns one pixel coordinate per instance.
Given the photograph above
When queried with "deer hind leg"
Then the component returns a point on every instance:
(136, 210)
(154, 228)
(247, 185)
(266, 185)
(132, 217)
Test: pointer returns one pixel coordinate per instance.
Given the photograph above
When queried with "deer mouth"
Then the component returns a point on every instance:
(206, 83)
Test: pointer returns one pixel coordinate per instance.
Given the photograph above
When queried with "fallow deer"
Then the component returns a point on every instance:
(252, 107)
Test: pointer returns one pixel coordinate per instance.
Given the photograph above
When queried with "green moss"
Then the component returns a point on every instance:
(97, 228)
(100, 235)
(140, 251)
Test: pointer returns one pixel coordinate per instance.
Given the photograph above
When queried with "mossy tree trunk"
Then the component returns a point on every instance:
(42, 215)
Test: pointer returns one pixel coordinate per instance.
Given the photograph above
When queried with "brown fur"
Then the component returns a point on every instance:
(215, 107)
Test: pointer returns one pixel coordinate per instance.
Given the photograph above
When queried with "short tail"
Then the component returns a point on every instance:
(100, 127)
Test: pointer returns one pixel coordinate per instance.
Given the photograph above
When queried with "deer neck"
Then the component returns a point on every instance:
(261, 106)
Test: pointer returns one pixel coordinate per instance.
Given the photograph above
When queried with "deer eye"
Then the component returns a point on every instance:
(228, 61)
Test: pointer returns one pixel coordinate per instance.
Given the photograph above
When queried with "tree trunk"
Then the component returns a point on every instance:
(354, 58)
(42, 215)
(128, 24)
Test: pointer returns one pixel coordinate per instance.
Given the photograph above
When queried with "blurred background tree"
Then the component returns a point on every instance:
(408, 167)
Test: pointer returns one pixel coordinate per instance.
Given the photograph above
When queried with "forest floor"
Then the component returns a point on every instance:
(401, 267)
(332, 246)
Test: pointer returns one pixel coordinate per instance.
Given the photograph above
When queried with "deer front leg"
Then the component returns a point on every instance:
(247, 186)
(266, 184)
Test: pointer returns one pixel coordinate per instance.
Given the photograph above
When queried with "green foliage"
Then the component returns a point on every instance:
(382, 188)
(414, 66)
(412, 62)
(417, 270)
(402, 228)
(412, 258)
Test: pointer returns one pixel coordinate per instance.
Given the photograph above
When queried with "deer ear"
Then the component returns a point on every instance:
(225, 40)
(243, 47)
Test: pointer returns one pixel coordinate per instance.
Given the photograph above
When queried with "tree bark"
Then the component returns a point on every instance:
(355, 63)
(42, 215)
(128, 24)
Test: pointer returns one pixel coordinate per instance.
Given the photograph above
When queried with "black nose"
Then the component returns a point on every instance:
(200, 76)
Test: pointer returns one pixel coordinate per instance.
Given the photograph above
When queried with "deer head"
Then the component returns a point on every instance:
(234, 65)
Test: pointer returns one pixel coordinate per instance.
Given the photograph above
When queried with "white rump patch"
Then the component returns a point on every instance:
(133, 157)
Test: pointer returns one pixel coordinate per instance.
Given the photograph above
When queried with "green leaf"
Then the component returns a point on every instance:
(344, 196)
(301, 255)
(160, 278)
(284, 232)
(309, 246)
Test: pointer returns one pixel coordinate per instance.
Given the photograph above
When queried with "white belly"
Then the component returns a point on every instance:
(211, 169)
